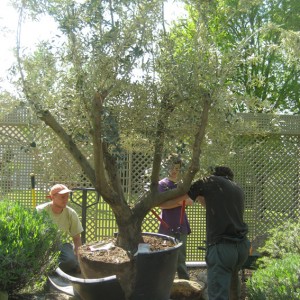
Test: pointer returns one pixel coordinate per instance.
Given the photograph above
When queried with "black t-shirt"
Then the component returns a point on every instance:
(224, 208)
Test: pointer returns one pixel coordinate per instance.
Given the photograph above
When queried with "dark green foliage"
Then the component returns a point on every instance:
(278, 281)
(28, 246)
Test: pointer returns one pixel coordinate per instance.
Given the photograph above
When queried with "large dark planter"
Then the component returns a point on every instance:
(155, 275)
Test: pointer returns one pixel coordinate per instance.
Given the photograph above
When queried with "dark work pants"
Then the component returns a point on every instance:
(182, 270)
(67, 260)
(224, 261)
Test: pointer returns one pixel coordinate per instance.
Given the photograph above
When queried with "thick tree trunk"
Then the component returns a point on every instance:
(129, 237)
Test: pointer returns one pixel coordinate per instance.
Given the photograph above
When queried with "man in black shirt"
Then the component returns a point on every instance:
(227, 243)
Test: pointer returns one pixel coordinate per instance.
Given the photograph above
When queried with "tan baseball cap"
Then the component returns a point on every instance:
(59, 189)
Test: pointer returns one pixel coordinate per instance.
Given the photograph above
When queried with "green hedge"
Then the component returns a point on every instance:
(278, 281)
(282, 240)
(278, 275)
(28, 246)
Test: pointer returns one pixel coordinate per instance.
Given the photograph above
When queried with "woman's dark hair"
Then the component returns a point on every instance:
(223, 171)
(174, 159)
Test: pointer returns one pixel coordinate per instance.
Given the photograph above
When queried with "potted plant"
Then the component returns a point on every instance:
(108, 274)
(88, 95)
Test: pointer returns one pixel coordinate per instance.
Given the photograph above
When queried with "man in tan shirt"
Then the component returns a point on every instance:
(68, 222)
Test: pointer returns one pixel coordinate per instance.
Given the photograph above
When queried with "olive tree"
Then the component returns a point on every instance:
(116, 75)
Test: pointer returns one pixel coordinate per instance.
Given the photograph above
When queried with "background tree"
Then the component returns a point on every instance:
(268, 64)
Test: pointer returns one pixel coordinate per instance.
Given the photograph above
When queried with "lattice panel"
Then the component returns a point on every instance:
(151, 223)
(269, 124)
(16, 162)
(268, 169)
(56, 164)
(266, 164)
(139, 172)
(20, 115)
(196, 216)
(13, 133)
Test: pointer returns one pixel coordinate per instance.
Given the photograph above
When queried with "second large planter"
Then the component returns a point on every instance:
(155, 273)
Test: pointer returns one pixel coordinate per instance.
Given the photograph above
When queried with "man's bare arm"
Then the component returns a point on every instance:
(177, 202)
(77, 243)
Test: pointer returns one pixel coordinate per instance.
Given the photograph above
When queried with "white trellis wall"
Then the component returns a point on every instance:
(266, 162)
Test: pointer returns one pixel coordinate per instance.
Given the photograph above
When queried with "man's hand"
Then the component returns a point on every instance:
(201, 200)
(188, 201)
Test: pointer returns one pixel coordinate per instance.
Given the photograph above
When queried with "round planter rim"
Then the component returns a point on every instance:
(84, 280)
(177, 243)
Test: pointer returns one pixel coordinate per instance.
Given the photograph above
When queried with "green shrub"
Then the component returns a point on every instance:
(279, 280)
(28, 246)
(278, 275)
(281, 240)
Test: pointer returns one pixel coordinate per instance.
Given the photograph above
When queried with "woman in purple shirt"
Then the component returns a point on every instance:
(173, 214)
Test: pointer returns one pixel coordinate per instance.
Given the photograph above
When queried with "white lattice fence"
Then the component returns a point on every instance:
(266, 162)
(16, 159)
(267, 165)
